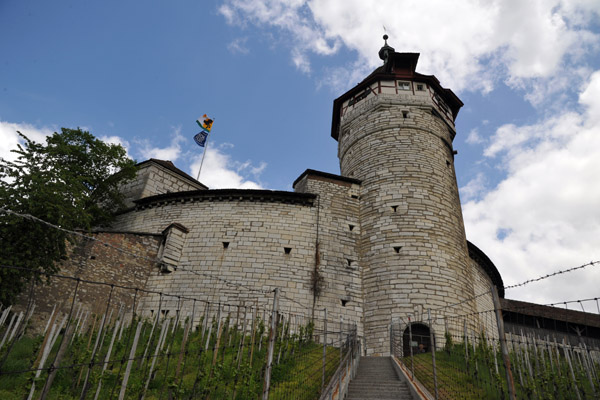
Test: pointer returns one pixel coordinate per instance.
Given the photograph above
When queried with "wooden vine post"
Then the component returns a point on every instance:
(509, 378)
(271, 346)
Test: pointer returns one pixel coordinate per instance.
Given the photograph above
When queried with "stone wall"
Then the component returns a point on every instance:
(155, 178)
(240, 246)
(92, 260)
(339, 231)
(413, 248)
(484, 303)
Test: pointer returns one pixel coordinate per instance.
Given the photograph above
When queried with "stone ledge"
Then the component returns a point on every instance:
(269, 196)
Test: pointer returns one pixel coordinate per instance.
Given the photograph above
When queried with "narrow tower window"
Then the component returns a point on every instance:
(351, 227)
(225, 245)
(397, 249)
(404, 114)
(394, 208)
(287, 250)
(403, 85)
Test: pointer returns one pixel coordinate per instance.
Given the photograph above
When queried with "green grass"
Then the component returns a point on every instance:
(476, 378)
(201, 375)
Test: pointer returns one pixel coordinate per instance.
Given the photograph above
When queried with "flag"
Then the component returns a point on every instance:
(200, 138)
(205, 123)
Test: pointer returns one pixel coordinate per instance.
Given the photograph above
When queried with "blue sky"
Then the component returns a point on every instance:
(140, 73)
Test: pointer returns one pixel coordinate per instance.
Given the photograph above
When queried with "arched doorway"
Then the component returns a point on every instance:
(421, 342)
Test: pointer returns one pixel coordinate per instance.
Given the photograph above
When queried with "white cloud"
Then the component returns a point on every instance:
(544, 216)
(169, 153)
(9, 136)
(474, 188)
(474, 137)
(238, 46)
(516, 41)
(590, 97)
(219, 171)
(291, 16)
(117, 140)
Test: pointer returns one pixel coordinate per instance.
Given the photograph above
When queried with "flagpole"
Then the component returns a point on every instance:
(203, 154)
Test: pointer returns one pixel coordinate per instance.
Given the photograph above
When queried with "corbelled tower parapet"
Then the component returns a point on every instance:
(395, 132)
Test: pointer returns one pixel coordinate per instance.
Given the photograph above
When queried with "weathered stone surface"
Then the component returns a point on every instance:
(386, 237)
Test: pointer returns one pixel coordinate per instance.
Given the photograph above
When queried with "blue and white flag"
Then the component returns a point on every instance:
(200, 138)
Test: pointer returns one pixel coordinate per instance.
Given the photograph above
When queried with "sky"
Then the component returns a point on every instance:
(140, 74)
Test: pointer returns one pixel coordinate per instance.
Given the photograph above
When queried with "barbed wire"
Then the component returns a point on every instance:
(564, 271)
(517, 308)
(591, 263)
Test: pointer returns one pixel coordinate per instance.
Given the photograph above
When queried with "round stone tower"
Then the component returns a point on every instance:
(395, 131)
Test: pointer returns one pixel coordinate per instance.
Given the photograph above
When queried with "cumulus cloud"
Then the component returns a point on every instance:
(114, 140)
(518, 42)
(9, 138)
(474, 137)
(544, 215)
(290, 16)
(220, 171)
(474, 188)
(170, 153)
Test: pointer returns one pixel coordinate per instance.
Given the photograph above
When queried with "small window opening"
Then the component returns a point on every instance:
(397, 249)
(164, 312)
(225, 245)
(349, 261)
(354, 196)
(92, 257)
(447, 163)
(403, 86)
(344, 302)
(404, 114)
(351, 227)
(287, 250)
(394, 208)
(420, 86)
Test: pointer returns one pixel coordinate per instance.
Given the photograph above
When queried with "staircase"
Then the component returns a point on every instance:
(376, 379)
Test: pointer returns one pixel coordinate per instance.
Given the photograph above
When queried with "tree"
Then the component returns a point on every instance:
(71, 181)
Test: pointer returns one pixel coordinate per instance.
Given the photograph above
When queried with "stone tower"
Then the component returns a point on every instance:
(395, 131)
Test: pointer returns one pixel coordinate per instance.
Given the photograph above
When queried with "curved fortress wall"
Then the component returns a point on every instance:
(386, 239)
(413, 247)
(235, 246)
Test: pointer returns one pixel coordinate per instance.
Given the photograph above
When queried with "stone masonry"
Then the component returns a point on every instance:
(385, 238)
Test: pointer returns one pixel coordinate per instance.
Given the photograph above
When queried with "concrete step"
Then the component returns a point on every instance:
(376, 379)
